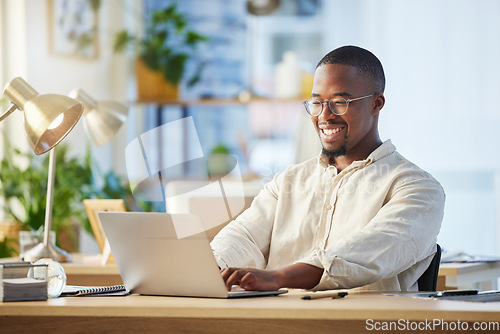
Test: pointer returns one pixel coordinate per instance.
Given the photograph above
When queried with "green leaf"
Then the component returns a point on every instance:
(122, 39)
(197, 75)
(193, 38)
(220, 148)
(95, 4)
(173, 69)
(7, 247)
(165, 44)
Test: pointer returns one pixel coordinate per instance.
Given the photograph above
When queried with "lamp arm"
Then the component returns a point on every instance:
(50, 195)
(8, 112)
(47, 249)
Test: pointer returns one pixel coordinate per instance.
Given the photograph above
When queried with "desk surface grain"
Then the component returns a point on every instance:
(288, 306)
(282, 313)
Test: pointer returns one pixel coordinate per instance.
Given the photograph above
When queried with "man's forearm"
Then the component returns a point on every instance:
(300, 275)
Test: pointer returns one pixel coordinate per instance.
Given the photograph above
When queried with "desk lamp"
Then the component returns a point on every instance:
(101, 120)
(48, 118)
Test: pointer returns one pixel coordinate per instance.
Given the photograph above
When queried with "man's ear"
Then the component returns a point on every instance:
(378, 103)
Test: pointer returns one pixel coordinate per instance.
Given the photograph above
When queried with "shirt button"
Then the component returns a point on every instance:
(329, 207)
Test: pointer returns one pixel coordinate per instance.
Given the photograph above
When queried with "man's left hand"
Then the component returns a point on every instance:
(252, 279)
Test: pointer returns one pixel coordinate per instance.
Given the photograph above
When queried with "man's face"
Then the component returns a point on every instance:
(354, 132)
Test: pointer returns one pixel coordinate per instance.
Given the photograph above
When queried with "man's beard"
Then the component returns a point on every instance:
(334, 154)
(342, 150)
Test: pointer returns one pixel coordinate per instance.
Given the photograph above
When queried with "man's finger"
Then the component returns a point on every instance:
(226, 272)
(234, 278)
(248, 281)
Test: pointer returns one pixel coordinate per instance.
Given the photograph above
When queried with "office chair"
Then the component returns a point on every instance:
(428, 280)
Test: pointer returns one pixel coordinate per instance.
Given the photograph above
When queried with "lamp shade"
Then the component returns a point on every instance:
(101, 119)
(48, 118)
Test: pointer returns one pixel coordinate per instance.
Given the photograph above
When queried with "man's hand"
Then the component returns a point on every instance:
(298, 275)
(252, 279)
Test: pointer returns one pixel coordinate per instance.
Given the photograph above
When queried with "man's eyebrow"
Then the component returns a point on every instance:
(343, 94)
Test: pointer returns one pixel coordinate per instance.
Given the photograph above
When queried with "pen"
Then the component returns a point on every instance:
(333, 295)
(455, 293)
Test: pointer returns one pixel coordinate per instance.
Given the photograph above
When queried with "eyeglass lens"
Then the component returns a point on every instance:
(337, 107)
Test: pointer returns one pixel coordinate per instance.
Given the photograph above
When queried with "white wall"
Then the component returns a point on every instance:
(441, 60)
(25, 38)
(13, 60)
(26, 53)
(441, 63)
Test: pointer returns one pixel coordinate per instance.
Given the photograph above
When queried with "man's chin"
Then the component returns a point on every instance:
(331, 154)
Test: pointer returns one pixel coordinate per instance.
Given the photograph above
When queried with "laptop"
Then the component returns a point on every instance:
(153, 260)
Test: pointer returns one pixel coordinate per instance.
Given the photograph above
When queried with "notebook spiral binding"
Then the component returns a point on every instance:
(101, 289)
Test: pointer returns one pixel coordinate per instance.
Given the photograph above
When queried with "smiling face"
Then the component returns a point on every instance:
(353, 135)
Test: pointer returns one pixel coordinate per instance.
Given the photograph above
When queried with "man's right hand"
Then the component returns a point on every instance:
(298, 275)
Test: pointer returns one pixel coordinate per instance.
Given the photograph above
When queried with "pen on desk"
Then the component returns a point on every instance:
(333, 295)
(455, 293)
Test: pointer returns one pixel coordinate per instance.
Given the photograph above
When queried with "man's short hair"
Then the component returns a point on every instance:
(366, 62)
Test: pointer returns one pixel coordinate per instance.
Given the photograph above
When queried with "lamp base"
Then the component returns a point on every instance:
(41, 251)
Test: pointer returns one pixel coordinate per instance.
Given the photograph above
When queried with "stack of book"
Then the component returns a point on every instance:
(18, 283)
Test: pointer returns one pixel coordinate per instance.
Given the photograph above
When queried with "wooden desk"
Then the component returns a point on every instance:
(482, 276)
(452, 276)
(286, 313)
(87, 270)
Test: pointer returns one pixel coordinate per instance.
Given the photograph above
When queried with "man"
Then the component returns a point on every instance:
(358, 216)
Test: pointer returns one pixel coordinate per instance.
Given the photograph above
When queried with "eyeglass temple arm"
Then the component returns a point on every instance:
(359, 98)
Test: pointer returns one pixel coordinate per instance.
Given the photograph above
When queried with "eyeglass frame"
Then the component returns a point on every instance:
(347, 101)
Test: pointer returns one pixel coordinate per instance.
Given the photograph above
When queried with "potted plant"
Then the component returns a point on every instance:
(7, 247)
(24, 190)
(220, 160)
(162, 50)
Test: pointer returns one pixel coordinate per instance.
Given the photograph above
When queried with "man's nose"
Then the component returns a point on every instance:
(326, 113)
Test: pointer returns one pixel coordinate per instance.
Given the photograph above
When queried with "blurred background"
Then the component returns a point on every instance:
(441, 60)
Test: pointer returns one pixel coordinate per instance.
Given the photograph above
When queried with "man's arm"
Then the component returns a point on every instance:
(245, 241)
(298, 275)
(402, 233)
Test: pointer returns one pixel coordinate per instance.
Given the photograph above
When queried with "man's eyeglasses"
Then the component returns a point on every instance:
(338, 105)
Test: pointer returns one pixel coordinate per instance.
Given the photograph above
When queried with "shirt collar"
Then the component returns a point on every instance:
(380, 152)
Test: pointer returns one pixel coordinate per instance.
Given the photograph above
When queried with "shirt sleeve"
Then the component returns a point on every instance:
(403, 232)
(245, 241)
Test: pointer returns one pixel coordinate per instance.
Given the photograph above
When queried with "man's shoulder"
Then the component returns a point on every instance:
(402, 163)
(387, 155)
(404, 169)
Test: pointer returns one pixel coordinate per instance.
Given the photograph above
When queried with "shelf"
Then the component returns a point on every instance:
(213, 102)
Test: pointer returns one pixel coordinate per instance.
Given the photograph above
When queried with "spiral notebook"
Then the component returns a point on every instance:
(112, 290)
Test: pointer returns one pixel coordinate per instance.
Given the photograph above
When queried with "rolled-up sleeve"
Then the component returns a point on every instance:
(402, 233)
(245, 241)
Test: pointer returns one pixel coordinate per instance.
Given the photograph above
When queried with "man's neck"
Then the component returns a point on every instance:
(342, 162)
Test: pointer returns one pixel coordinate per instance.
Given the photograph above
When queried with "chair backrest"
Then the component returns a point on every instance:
(428, 280)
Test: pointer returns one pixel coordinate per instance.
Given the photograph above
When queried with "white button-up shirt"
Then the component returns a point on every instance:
(373, 226)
